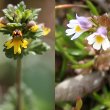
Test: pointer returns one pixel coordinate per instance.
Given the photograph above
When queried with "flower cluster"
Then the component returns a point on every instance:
(20, 25)
(98, 26)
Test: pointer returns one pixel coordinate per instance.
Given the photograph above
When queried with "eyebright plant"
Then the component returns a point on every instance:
(24, 32)
(97, 26)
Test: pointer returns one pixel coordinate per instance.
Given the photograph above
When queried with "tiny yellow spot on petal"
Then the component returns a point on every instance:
(99, 38)
(78, 28)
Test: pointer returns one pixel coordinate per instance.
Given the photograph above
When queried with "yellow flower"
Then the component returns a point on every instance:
(46, 30)
(34, 28)
(17, 42)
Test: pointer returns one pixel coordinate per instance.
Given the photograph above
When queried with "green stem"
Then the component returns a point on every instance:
(63, 68)
(65, 53)
(18, 84)
(85, 65)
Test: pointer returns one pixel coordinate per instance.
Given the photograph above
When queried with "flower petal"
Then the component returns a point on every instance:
(91, 38)
(97, 46)
(102, 30)
(106, 44)
(70, 32)
(84, 22)
(19, 50)
(76, 35)
(72, 23)
(15, 49)
(24, 43)
(9, 44)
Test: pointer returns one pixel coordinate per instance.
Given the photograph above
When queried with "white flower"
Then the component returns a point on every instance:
(78, 26)
(99, 39)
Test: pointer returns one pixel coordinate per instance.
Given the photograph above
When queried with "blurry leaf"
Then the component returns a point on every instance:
(35, 13)
(21, 6)
(92, 7)
(26, 14)
(38, 47)
(14, 24)
(63, 68)
(79, 104)
(65, 105)
(76, 52)
(28, 99)
(99, 107)
(84, 65)
(7, 14)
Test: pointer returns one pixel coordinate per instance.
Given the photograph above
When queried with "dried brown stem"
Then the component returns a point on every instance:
(69, 6)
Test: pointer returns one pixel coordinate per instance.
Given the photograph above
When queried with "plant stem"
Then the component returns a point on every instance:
(63, 6)
(18, 84)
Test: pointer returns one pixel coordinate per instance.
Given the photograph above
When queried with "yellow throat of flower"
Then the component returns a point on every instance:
(99, 38)
(78, 28)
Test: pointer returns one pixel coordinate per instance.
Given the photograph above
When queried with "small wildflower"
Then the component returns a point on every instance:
(46, 30)
(34, 28)
(78, 26)
(17, 42)
(99, 39)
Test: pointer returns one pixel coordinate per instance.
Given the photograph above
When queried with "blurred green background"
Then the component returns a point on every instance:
(38, 71)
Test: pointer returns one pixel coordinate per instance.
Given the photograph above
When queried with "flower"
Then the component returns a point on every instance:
(17, 42)
(46, 30)
(34, 28)
(99, 39)
(78, 26)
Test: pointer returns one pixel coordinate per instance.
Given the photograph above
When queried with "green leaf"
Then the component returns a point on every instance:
(79, 104)
(21, 6)
(7, 14)
(38, 47)
(28, 99)
(92, 7)
(14, 24)
(35, 13)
